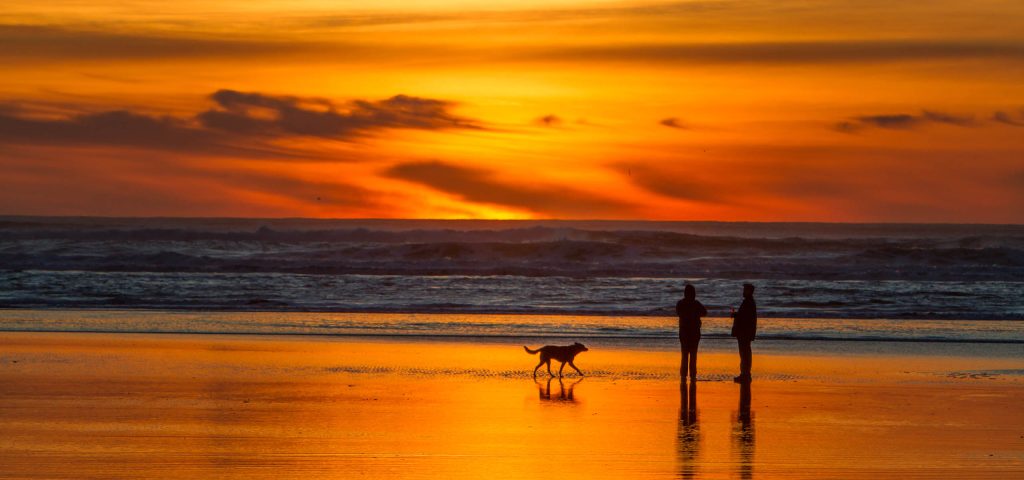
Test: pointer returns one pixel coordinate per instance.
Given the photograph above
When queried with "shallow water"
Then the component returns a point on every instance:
(647, 331)
(227, 406)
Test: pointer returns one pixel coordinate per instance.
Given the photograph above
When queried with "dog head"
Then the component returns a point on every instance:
(579, 347)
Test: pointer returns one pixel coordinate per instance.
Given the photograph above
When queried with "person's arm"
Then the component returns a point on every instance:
(703, 311)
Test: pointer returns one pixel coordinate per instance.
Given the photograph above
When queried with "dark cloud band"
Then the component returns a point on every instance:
(243, 123)
(903, 121)
(51, 43)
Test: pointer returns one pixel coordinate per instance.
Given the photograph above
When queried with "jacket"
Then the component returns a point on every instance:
(744, 323)
(689, 312)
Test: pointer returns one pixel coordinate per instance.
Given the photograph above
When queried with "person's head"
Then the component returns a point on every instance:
(748, 290)
(689, 292)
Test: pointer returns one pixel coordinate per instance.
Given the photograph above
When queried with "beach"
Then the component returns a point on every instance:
(124, 405)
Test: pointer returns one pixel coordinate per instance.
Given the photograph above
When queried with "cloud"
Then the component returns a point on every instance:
(119, 184)
(243, 123)
(117, 127)
(83, 42)
(802, 52)
(902, 121)
(481, 186)
(260, 114)
(48, 42)
(673, 122)
(674, 183)
(325, 192)
(549, 120)
(894, 121)
(939, 117)
(1009, 119)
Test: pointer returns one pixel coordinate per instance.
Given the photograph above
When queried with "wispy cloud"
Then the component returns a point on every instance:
(772, 52)
(1008, 118)
(676, 183)
(122, 128)
(327, 193)
(903, 121)
(247, 113)
(673, 122)
(949, 119)
(484, 186)
(549, 120)
(50, 42)
(47, 43)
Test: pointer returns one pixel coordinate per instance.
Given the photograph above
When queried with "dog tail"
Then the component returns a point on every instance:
(531, 352)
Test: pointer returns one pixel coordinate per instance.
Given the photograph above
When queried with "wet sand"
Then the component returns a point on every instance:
(205, 406)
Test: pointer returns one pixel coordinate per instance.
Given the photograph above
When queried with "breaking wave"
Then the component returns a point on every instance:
(563, 267)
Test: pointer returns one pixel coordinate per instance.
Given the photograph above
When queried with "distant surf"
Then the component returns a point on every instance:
(892, 271)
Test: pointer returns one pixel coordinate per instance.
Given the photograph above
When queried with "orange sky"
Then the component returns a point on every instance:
(700, 110)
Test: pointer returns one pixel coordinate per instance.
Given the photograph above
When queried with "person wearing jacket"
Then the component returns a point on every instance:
(689, 311)
(744, 328)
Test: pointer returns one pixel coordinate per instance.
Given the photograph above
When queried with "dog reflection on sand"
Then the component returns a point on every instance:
(564, 390)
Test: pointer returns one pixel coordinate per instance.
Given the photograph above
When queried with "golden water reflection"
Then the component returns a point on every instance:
(565, 390)
(688, 431)
(743, 435)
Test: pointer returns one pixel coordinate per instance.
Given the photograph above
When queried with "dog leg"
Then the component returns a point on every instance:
(574, 368)
(535, 368)
(549, 368)
(560, 370)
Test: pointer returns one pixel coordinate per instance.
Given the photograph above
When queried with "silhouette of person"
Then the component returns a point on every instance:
(689, 311)
(744, 328)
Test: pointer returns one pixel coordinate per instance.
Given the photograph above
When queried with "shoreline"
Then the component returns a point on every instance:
(653, 332)
(506, 354)
(485, 337)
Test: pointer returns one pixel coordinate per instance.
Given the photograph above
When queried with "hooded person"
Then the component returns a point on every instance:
(689, 311)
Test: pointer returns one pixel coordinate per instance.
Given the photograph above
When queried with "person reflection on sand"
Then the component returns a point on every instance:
(743, 435)
(565, 393)
(688, 432)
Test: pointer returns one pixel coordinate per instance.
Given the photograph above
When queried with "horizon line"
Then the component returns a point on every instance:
(511, 220)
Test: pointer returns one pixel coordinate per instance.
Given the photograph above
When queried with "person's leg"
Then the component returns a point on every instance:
(743, 346)
(687, 360)
(745, 358)
(693, 357)
(683, 361)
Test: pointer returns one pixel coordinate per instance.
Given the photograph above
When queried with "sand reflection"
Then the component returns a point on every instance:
(565, 390)
(688, 431)
(743, 435)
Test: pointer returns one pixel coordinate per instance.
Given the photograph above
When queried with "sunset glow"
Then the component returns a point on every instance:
(697, 110)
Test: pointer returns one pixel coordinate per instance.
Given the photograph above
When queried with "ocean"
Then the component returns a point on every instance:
(599, 279)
